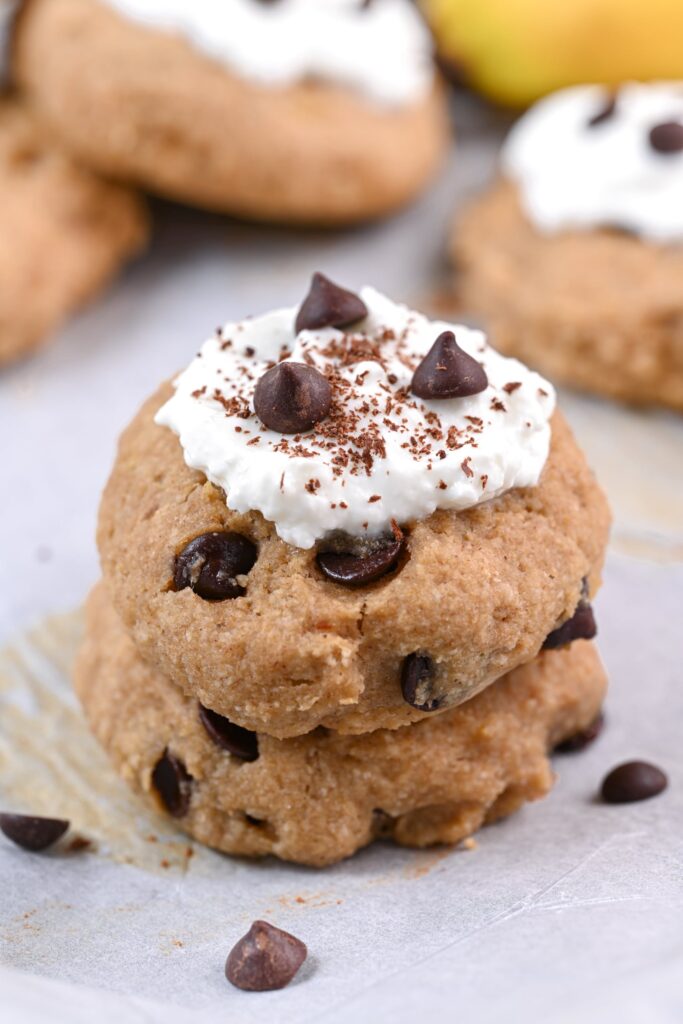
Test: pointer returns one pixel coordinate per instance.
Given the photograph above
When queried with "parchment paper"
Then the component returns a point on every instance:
(569, 911)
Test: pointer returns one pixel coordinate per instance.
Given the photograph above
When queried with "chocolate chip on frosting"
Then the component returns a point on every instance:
(448, 372)
(363, 562)
(605, 113)
(242, 743)
(667, 137)
(328, 305)
(265, 958)
(31, 832)
(633, 781)
(173, 783)
(211, 564)
(417, 683)
(291, 398)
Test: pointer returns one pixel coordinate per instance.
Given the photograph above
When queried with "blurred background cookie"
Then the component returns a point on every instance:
(291, 111)
(574, 258)
(65, 232)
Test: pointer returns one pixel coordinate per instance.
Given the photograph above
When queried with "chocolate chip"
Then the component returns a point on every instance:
(238, 741)
(581, 626)
(417, 683)
(667, 137)
(633, 781)
(448, 372)
(328, 305)
(211, 563)
(605, 113)
(364, 563)
(292, 397)
(265, 958)
(582, 739)
(31, 832)
(173, 783)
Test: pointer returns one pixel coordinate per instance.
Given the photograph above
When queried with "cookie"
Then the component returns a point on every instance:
(574, 258)
(324, 114)
(316, 799)
(478, 548)
(65, 232)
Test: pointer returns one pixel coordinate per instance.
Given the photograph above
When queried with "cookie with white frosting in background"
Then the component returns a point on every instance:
(574, 258)
(344, 514)
(315, 799)
(303, 111)
(65, 232)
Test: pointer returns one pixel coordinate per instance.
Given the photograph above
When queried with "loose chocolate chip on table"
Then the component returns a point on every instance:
(448, 372)
(356, 568)
(581, 740)
(605, 113)
(31, 832)
(292, 397)
(173, 783)
(417, 683)
(633, 781)
(581, 626)
(211, 563)
(238, 741)
(667, 137)
(265, 958)
(328, 305)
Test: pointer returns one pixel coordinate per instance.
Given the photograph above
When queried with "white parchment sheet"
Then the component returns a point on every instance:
(570, 911)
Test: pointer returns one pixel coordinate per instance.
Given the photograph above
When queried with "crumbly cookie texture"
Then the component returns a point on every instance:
(144, 106)
(476, 590)
(600, 310)
(318, 798)
(65, 232)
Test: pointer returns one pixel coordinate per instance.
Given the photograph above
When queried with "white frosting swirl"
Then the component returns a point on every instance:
(382, 51)
(573, 175)
(382, 454)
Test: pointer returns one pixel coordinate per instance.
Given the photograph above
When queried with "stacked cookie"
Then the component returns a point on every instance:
(348, 560)
(66, 232)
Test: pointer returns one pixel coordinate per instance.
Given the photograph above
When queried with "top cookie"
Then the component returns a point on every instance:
(370, 627)
(295, 110)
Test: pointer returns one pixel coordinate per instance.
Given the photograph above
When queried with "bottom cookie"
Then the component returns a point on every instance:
(318, 798)
(65, 232)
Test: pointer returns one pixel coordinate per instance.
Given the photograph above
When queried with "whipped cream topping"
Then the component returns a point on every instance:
(382, 51)
(572, 174)
(381, 455)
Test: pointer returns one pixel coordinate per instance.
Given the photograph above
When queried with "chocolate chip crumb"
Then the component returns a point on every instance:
(241, 743)
(265, 958)
(211, 564)
(633, 781)
(173, 783)
(582, 739)
(418, 683)
(355, 563)
(31, 832)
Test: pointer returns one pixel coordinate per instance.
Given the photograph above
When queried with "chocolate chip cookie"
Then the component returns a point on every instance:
(242, 113)
(315, 799)
(413, 574)
(573, 259)
(65, 232)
